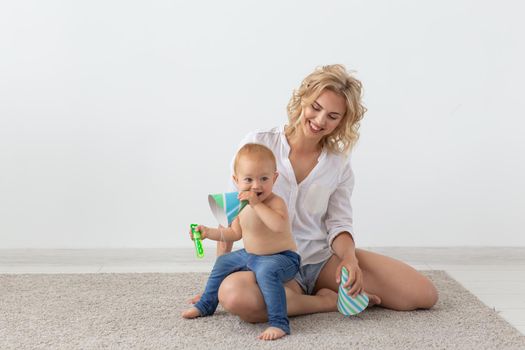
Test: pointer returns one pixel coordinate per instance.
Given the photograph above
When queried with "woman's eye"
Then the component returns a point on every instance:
(316, 107)
(333, 117)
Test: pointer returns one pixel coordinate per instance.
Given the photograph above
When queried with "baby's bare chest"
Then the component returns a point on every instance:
(250, 222)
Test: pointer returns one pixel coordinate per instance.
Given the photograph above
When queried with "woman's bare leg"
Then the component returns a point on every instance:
(399, 286)
(240, 295)
(394, 284)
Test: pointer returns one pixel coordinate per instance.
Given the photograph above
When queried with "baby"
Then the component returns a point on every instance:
(269, 248)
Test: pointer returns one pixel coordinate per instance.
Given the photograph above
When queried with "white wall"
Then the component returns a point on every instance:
(117, 118)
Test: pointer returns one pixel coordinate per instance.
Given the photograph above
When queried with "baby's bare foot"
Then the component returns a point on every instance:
(191, 313)
(330, 298)
(272, 333)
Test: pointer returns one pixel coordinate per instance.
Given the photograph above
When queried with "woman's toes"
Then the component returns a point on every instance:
(373, 300)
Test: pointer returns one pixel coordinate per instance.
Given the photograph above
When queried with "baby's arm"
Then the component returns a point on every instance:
(274, 215)
(229, 234)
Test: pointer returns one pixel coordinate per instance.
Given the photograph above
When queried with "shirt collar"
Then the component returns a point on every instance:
(287, 149)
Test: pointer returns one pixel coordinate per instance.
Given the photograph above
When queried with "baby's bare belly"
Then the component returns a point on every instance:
(266, 244)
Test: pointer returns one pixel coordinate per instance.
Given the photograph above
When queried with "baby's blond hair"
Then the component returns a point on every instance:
(254, 150)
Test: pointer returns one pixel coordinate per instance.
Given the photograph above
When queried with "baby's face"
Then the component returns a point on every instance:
(255, 175)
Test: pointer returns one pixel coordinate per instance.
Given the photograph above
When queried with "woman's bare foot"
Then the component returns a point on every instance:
(191, 313)
(195, 299)
(373, 300)
(330, 298)
(272, 333)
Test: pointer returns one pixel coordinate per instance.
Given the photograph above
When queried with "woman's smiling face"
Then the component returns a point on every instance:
(323, 115)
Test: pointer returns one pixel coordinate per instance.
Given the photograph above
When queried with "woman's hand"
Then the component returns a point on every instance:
(202, 229)
(355, 275)
(249, 196)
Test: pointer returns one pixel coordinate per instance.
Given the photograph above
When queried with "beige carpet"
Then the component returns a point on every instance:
(91, 311)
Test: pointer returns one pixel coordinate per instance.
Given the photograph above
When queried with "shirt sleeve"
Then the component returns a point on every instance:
(251, 137)
(339, 216)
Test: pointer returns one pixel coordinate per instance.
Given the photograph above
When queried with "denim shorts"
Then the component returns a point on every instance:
(307, 276)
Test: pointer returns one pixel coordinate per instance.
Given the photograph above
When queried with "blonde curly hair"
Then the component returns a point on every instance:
(337, 79)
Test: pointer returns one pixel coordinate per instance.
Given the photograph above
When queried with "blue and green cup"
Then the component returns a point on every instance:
(226, 206)
(347, 305)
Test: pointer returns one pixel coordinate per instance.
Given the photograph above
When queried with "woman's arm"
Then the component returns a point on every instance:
(339, 222)
(343, 246)
(339, 216)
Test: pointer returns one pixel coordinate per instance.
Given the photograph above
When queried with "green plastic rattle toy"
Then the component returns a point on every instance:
(199, 251)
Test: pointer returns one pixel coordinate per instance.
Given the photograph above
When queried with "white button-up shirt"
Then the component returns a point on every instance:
(319, 207)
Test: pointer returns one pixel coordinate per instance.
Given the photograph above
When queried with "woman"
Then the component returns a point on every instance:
(316, 181)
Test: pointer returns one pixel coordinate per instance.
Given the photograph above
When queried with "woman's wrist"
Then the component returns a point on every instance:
(350, 257)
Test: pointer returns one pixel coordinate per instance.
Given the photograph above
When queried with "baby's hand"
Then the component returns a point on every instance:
(203, 230)
(249, 196)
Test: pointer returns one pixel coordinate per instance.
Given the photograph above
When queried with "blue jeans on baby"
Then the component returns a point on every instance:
(271, 272)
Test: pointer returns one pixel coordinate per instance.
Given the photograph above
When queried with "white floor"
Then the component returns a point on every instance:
(495, 275)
